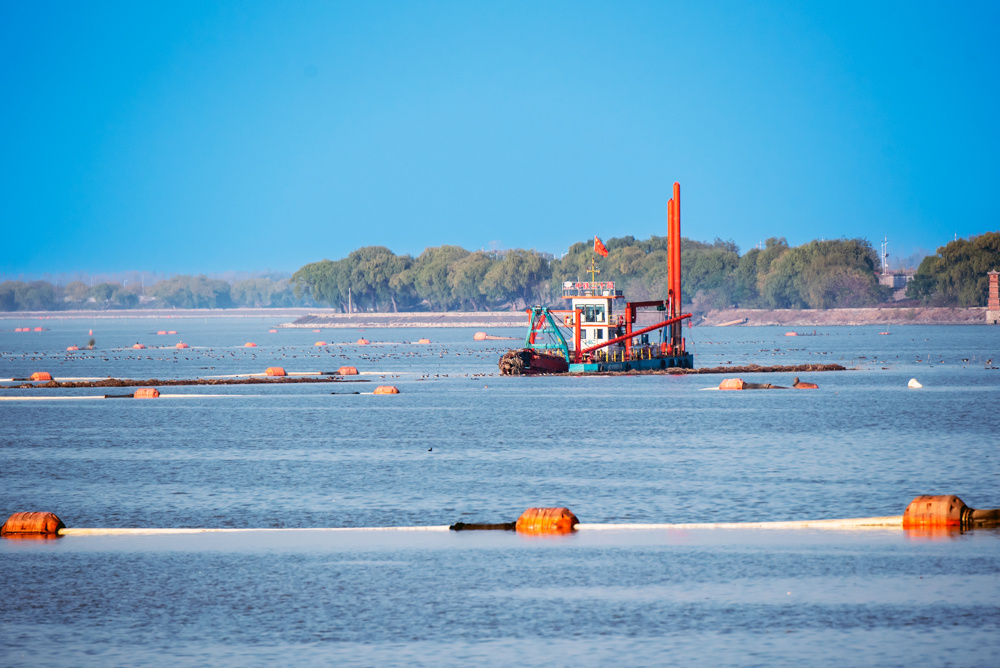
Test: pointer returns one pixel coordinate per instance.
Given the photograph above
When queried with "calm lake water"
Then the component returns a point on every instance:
(462, 444)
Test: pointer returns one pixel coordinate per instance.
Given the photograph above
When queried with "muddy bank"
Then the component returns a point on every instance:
(917, 315)
(128, 382)
(749, 368)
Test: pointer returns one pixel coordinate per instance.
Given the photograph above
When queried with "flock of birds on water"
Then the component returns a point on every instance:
(367, 359)
(362, 356)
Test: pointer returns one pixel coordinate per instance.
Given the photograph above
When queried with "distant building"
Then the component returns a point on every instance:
(993, 303)
(897, 280)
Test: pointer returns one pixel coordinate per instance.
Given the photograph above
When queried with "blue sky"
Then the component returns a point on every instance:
(203, 137)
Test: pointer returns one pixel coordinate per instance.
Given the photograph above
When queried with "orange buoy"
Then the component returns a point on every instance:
(315, 331)
(146, 393)
(363, 342)
(347, 371)
(41, 375)
(272, 331)
(274, 371)
(32, 523)
(944, 512)
(162, 332)
(138, 346)
(799, 385)
(479, 336)
(386, 389)
(546, 520)
(73, 348)
(941, 511)
(320, 343)
(248, 344)
(791, 333)
(182, 345)
(424, 341)
(731, 384)
(38, 329)
(171, 331)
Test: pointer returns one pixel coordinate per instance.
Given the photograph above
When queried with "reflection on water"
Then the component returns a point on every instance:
(460, 445)
(934, 533)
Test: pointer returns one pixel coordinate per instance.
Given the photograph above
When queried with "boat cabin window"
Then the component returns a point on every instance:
(600, 334)
(592, 312)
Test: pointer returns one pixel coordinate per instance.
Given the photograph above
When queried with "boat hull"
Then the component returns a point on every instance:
(685, 361)
(527, 362)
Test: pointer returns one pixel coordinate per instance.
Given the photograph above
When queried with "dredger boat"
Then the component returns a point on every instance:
(600, 333)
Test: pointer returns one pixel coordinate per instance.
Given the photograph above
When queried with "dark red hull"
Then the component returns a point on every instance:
(527, 362)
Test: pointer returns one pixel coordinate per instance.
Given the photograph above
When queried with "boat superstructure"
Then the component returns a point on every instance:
(598, 331)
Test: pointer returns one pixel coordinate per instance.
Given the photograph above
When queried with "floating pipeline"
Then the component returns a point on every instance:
(127, 382)
(740, 384)
(534, 521)
(925, 512)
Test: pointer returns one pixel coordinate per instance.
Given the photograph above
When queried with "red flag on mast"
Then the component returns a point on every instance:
(599, 247)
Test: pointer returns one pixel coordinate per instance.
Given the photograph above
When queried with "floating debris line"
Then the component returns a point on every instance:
(128, 382)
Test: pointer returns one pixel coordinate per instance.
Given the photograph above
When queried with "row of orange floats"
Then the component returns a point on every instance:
(142, 346)
(28, 329)
(280, 371)
(924, 512)
(532, 521)
(164, 332)
(359, 342)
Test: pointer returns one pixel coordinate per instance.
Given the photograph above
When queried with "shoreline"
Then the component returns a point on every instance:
(916, 315)
(312, 318)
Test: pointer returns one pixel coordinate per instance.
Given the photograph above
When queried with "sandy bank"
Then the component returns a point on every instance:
(845, 316)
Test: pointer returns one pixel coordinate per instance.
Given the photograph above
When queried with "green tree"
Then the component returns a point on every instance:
(322, 281)
(77, 291)
(123, 298)
(369, 273)
(430, 278)
(708, 272)
(466, 277)
(519, 275)
(102, 293)
(821, 274)
(957, 275)
(193, 292)
(33, 296)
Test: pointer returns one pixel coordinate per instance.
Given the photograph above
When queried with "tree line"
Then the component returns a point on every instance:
(957, 274)
(176, 292)
(819, 274)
